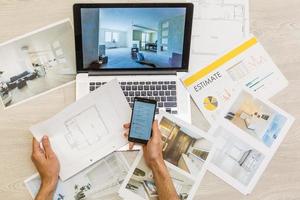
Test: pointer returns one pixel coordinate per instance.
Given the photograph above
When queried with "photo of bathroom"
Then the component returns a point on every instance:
(234, 157)
(181, 149)
(256, 118)
(141, 183)
(36, 63)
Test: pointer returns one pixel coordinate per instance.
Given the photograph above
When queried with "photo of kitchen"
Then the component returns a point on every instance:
(36, 62)
(142, 183)
(181, 149)
(234, 157)
(256, 118)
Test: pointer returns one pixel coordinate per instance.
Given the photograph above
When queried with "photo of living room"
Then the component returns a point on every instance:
(234, 157)
(133, 37)
(142, 183)
(181, 149)
(36, 62)
(256, 118)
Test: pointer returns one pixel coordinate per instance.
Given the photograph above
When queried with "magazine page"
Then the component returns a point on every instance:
(99, 181)
(37, 62)
(248, 134)
(88, 129)
(248, 64)
(186, 151)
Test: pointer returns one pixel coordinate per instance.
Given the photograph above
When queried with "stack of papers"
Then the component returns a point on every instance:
(232, 92)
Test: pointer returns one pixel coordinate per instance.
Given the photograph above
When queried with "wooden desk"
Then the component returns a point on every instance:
(277, 25)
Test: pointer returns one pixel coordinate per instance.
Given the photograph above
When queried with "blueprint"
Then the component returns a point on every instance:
(217, 26)
(88, 129)
(78, 127)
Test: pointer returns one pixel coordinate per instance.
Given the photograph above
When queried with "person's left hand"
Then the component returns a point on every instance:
(47, 165)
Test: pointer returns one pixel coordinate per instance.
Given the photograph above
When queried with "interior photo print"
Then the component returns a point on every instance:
(234, 157)
(135, 38)
(92, 183)
(142, 185)
(35, 63)
(256, 118)
(181, 149)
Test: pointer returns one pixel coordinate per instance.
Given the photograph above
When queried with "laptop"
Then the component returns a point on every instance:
(144, 46)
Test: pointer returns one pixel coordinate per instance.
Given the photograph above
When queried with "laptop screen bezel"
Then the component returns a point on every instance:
(186, 42)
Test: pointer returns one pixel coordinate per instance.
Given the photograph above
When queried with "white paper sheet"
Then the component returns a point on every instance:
(186, 168)
(87, 130)
(247, 64)
(247, 135)
(217, 26)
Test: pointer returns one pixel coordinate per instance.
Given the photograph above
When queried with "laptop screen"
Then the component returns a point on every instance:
(114, 38)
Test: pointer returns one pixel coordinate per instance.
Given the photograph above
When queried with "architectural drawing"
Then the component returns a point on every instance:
(82, 132)
(218, 24)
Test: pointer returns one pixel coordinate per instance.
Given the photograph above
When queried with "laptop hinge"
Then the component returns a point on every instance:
(128, 73)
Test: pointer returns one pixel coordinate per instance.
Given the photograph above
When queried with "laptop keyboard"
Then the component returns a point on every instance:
(164, 92)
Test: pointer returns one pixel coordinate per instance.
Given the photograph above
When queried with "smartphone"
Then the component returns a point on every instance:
(142, 118)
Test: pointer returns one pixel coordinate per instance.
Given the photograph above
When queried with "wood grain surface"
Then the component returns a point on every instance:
(276, 23)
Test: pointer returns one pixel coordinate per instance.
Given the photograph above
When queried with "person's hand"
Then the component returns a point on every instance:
(127, 126)
(153, 149)
(47, 165)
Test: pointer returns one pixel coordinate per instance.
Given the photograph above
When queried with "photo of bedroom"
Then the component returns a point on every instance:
(37, 62)
(234, 157)
(142, 184)
(256, 118)
(181, 149)
(117, 38)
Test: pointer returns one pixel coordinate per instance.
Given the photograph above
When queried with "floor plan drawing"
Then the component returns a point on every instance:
(88, 129)
(83, 132)
(217, 25)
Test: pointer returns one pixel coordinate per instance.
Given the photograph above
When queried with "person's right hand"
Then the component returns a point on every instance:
(153, 149)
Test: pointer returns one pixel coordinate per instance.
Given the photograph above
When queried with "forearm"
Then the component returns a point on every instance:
(163, 182)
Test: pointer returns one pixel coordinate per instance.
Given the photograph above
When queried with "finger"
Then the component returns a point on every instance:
(131, 145)
(127, 125)
(36, 146)
(47, 146)
(155, 131)
(126, 134)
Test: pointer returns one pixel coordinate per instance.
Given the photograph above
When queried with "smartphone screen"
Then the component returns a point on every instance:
(142, 120)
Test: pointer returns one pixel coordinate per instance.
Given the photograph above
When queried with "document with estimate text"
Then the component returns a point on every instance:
(246, 65)
(87, 130)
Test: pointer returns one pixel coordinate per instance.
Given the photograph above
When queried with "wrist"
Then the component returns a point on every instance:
(157, 164)
(48, 186)
(45, 193)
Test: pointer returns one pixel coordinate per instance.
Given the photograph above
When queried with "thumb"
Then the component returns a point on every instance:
(155, 131)
(47, 146)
